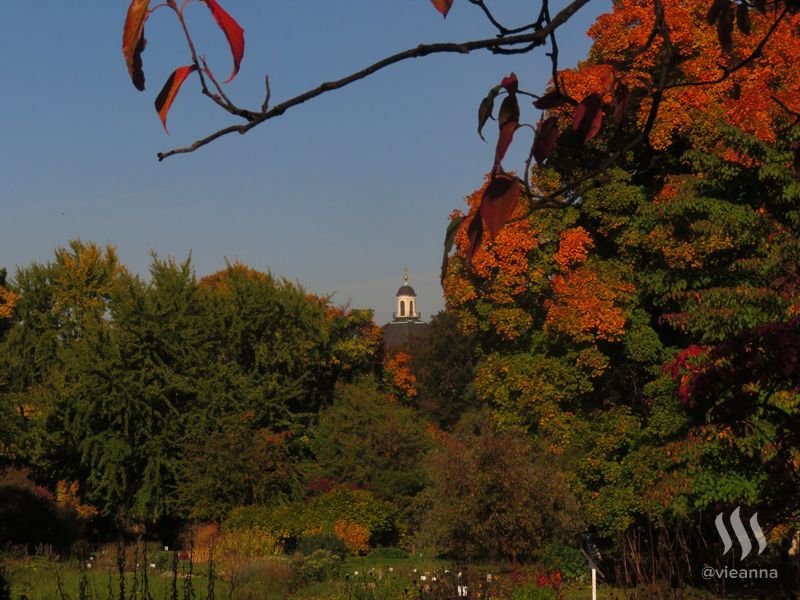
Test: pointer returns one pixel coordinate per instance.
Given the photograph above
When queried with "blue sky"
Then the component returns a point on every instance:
(339, 194)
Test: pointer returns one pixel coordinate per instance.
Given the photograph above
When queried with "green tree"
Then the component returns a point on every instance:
(495, 496)
(277, 353)
(444, 364)
(130, 382)
(367, 439)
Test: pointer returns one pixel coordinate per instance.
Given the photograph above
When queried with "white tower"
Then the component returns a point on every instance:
(406, 302)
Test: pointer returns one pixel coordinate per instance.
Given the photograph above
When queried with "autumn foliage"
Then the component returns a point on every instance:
(646, 328)
(7, 301)
(401, 375)
(134, 43)
(619, 352)
(354, 536)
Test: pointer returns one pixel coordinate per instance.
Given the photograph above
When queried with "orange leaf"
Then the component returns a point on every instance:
(233, 32)
(443, 6)
(133, 40)
(167, 94)
(498, 202)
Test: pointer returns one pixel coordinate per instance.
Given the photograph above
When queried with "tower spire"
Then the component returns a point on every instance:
(406, 301)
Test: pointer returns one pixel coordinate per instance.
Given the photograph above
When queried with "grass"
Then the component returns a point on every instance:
(43, 579)
(275, 578)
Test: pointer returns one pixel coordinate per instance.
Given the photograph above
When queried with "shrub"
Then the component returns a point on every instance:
(285, 522)
(496, 496)
(318, 515)
(356, 506)
(247, 544)
(307, 544)
(354, 536)
(319, 566)
(30, 517)
(201, 538)
(569, 561)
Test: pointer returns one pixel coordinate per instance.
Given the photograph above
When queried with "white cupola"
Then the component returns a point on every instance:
(406, 301)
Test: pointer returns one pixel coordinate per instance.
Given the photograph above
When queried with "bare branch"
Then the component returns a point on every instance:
(534, 38)
(503, 30)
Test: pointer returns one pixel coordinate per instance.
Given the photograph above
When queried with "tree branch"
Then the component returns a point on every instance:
(551, 200)
(728, 71)
(534, 38)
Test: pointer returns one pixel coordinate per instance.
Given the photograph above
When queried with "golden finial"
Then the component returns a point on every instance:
(405, 276)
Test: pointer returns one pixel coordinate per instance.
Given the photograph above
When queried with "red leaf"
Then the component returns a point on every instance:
(588, 117)
(508, 119)
(510, 83)
(622, 100)
(545, 139)
(551, 99)
(133, 40)
(233, 32)
(485, 109)
(443, 6)
(499, 201)
(171, 88)
(475, 234)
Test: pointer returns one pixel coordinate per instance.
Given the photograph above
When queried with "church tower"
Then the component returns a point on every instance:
(406, 302)
(407, 328)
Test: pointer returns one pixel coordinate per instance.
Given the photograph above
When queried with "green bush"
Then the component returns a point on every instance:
(356, 506)
(557, 556)
(318, 566)
(161, 559)
(285, 522)
(318, 515)
(308, 544)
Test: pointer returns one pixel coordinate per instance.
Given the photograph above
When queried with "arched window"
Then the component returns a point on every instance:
(411, 309)
(402, 308)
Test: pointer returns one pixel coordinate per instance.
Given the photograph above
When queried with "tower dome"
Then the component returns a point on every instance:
(407, 328)
(406, 302)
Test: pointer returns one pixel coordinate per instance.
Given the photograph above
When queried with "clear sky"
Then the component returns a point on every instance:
(339, 194)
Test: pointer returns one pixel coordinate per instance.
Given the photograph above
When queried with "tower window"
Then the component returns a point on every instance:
(402, 308)
(411, 308)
